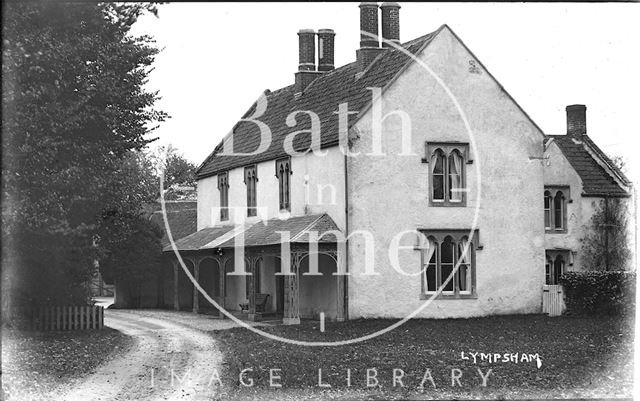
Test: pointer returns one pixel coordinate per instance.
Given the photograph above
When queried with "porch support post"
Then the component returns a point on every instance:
(292, 290)
(176, 276)
(222, 264)
(196, 276)
(252, 260)
(341, 270)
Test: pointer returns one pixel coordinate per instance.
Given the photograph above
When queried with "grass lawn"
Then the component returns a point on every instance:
(36, 365)
(581, 357)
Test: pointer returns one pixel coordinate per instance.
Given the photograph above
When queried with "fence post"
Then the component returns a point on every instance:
(101, 314)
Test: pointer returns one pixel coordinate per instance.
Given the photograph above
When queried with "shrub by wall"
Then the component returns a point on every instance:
(600, 292)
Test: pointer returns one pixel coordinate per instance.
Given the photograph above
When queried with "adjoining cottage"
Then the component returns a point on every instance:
(439, 165)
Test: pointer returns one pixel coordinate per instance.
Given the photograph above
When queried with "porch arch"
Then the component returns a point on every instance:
(209, 278)
(183, 289)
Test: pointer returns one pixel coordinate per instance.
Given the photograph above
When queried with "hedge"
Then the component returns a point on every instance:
(600, 292)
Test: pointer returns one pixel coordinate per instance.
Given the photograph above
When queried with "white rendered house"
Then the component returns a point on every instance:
(443, 187)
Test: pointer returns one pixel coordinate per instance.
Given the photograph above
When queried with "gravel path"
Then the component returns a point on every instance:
(173, 359)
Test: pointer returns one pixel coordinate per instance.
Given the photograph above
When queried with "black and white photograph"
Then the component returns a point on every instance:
(319, 200)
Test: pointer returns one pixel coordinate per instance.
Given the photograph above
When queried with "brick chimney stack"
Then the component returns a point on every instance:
(369, 41)
(577, 120)
(390, 23)
(307, 60)
(306, 50)
(369, 24)
(326, 49)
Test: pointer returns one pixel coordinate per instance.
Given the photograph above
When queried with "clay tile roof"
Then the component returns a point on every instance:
(198, 239)
(182, 219)
(596, 180)
(260, 233)
(322, 97)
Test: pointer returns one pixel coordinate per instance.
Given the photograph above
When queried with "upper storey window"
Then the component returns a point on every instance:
(251, 180)
(447, 173)
(223, 188)
(283, 172)
(555, 209)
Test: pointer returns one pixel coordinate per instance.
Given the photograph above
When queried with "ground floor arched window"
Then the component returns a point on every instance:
(555, 265)
(449, 264)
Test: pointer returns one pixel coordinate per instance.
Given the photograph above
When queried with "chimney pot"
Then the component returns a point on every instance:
(326, 41)
(369, 24)
(369, 45)
(576, 120)
(307, 60)
(306, 50)
(390, 23)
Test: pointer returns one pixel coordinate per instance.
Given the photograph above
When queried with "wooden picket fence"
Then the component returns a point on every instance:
(49, 318)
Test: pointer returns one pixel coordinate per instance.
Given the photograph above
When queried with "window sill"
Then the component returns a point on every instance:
(448, 204)
(552, 231)
(444, 297)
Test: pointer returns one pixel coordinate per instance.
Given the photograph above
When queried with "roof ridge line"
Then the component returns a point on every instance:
(590, 143)
(600, 161)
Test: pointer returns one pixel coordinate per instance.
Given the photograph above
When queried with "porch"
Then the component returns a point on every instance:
(281, 273)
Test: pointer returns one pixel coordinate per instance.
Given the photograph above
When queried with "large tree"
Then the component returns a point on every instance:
(128, 241)
(74, 108)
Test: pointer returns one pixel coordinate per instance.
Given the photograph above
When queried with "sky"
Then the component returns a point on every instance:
(217, 58)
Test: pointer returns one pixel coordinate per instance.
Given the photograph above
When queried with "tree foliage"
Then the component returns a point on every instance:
(74, 111)
(179, 174)
(178, 170)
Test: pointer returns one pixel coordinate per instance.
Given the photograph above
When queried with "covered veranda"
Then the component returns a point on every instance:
(287, 269)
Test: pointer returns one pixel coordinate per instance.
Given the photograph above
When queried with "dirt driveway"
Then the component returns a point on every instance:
(173, 359)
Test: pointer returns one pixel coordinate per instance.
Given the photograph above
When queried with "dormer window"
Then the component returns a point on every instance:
(251, 180)
(447, 173)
